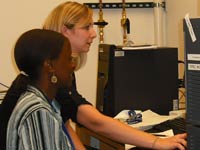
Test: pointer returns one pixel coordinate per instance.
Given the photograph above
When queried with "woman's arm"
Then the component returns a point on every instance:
(77, 143)
(91, 118)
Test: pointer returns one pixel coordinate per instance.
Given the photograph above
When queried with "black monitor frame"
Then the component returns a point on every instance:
(137, 79)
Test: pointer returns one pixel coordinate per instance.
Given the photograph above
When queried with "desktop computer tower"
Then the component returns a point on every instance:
(192, 81)
(136, 78)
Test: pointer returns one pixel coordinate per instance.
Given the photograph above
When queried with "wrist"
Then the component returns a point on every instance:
(154, 142)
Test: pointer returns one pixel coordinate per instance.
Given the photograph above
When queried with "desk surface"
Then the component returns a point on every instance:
(92, 139)
(99, 142)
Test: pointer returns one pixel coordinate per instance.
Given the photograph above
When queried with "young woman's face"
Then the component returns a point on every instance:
(65, 67)
(81, 37)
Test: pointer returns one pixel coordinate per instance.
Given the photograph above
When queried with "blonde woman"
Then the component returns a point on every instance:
(74, 21)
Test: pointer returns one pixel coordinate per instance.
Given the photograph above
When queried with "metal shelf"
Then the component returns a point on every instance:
(128, 5)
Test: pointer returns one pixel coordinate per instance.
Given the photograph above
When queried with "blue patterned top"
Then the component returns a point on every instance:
(35, 125)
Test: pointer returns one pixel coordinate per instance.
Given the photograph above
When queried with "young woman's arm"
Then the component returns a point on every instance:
(91, 118)
(77, 143)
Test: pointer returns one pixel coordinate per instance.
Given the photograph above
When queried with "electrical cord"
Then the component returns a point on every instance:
(181, 82)
(4, 85)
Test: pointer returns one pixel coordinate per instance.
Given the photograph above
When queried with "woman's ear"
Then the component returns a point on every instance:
(48, 65)
(65, 31)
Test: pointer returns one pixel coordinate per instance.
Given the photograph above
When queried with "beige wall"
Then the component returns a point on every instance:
(17, 16)
(175, 12)
(198, 8)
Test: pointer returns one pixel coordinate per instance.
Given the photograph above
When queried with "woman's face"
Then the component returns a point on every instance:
(81, 37)
(65, 67)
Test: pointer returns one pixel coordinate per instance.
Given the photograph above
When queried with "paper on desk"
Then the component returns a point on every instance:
(164, 134)
(149, 119)
(167, 133)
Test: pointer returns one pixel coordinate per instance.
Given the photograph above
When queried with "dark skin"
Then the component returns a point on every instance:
(62, 67)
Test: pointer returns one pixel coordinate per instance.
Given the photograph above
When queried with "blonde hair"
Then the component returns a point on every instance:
(68, 14)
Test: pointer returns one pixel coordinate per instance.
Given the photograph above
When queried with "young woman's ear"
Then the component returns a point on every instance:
(48, 65)
(65, 31)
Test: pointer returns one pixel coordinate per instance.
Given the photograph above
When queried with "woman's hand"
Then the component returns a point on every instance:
(175, 142)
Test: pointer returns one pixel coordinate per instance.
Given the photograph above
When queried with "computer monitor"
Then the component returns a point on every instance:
(137, 79)
(192, 80)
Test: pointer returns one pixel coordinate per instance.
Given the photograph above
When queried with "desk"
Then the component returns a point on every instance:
(99, 142)
(92, 139)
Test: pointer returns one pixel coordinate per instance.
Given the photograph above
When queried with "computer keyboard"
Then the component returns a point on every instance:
(178, 125)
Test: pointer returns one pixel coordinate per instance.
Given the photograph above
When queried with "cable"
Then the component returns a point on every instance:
(4, 85)
(181, 82)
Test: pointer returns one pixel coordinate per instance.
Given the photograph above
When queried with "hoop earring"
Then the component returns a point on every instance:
(54, 79)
